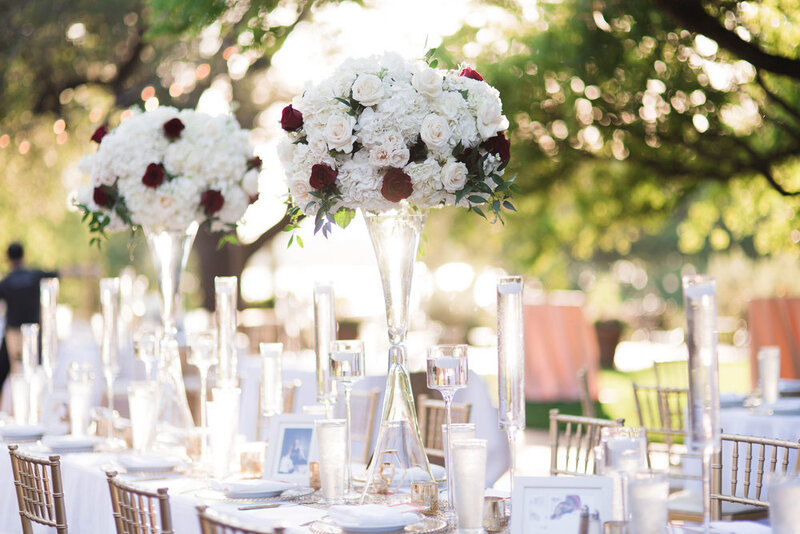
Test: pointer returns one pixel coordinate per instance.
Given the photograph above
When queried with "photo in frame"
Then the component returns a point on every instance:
(291, 447)
(553, 504)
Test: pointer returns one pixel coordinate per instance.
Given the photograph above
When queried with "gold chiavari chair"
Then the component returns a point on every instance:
(363, 407)
(138, 511)
(572, 442)
(662, 412)
(213, 523)
(40, 493)
(432, 415)
(674, 374)
(752, 457)
(587, 405)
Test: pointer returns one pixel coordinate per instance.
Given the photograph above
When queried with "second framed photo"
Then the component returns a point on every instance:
(291, 447)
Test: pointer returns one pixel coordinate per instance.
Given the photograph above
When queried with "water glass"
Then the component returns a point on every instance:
(347, 367)
(623, 452)
(769, 372)
(203, 355)
(143, 406)
(469, 481)
(647, 499)
(79, 388)
(331, 437)
(223, 425)
(783, 494)
(144, 344)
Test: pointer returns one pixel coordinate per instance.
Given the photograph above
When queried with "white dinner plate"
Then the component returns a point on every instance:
(253, 489)
(70, 444)
(22, 432)
(147, 463)
(366, 529)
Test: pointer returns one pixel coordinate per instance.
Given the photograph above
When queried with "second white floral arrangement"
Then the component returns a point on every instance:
(384, 131)
(164, 169)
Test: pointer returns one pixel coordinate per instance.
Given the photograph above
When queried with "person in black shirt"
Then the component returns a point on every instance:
(20, 291)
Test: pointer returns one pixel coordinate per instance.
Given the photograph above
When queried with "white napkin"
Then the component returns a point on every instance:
(147, 462)
(371, 515)
(741, 527)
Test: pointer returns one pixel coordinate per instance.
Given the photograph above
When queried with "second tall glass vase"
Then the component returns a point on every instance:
(398, 449)
(170, 251)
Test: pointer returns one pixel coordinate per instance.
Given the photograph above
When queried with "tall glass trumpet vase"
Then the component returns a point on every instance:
(109, 347)
(169, 250)
(395, 239)
(448, 371)
(48, 299)
(700, 305)
(347, 368)
(324, 335)
(511, 362)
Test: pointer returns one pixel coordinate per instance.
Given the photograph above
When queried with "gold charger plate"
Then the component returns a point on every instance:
(427, 525)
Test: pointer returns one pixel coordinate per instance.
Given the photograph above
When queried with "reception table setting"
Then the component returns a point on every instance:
(388, 138)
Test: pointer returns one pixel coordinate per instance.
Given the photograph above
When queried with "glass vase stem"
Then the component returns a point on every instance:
(512, 432)
(110, 393)
(204, 415)
(348, 466)
(448, 461)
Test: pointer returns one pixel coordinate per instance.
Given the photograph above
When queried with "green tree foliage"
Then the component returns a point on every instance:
(638, 127)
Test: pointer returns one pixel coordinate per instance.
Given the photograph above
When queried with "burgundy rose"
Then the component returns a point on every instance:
(100, 133)
(322, 176)
(154, 175)
(102, 198)
(254, 163)
(396, 185)
(212, 200)
(499, 146)
(469, 157)
(291, 119)
(471, 73)
(173, 128)
(253, 199)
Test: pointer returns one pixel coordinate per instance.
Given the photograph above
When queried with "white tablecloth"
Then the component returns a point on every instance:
(88, 503)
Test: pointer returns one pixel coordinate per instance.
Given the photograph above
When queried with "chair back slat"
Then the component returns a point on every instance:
(213, 523)
(661, 412)
(40, 494)
(572, 442)
(138, 511)
(752, 489)
(431, 415)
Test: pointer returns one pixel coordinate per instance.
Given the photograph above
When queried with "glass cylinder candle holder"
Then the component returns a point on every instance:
(700, 305)
(223, 425)
(511, 362)
(783, 496)
(225, 290)
(769, 373)
(143, 405)
(469, 481)
(79, 387)
(271, 378)
(48, 299)
(331, 435)
(647, 497)
(30, 349)
(324, 334)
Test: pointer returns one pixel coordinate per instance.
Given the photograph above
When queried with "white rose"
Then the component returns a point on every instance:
(339, 132)
(428, 82)
(368, 89)
(389, 155)
(435, 132)
(250, 183)
(454, 176)
(490, 118)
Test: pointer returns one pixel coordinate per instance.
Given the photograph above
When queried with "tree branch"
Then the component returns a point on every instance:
(266, 237)
(762, 166)
(771, 95)
(691, 15)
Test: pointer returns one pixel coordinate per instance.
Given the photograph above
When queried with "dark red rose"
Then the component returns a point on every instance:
(254, 163)
(291, 119)
(100, 133)
(471, 73)
(212, 200)
(469, 157)
(396, 185)
(173, 128)
(253, 199)
(102, 198)
(154, 175)
(322, 175)
(499, 146)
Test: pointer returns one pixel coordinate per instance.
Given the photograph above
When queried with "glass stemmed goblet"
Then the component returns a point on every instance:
(203, 355)
(144, 343)
(346, 359)
(448, 372)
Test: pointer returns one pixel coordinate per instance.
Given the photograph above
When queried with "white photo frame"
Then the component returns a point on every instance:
(553, 504)
(291, 448)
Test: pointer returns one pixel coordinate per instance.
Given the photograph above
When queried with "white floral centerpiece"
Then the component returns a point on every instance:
(167, 168)
(383, 131)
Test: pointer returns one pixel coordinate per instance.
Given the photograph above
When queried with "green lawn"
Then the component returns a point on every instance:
(617, 393)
